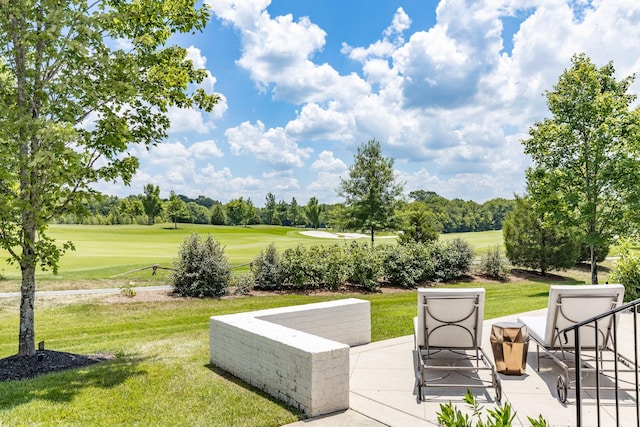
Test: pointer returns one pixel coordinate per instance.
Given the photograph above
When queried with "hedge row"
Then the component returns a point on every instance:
(329, 267)
(202, 269)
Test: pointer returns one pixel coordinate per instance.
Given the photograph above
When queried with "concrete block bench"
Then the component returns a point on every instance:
(298, 354)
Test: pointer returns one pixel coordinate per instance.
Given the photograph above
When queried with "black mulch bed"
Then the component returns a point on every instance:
(14, 368)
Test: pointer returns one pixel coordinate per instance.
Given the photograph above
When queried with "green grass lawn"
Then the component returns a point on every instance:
(161, 375)
(103, 252)
(481, 241)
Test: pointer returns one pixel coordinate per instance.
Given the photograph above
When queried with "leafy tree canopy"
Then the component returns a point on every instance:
(587, 155)
(371, 192)
(79, 82)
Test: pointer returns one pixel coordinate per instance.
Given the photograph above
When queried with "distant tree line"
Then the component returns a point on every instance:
(425, 209)
(457, 215)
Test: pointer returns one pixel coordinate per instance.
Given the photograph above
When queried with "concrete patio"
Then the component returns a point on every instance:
(383, 392)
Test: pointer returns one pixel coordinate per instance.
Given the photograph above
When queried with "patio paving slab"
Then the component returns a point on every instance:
(383, 392)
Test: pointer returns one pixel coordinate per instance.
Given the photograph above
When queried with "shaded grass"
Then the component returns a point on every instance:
(160, 377)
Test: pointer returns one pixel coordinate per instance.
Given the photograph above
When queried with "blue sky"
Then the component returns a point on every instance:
(448, 87)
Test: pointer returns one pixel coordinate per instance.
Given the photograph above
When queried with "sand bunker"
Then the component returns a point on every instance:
(327, 235)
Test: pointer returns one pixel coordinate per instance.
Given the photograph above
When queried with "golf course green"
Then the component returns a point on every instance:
(108, 251)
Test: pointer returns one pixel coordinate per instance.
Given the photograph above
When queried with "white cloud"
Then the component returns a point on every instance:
(205, 149)
(393, 37)
(314, 122)
(272, 146)
(278, 51)
(449, 103)
(240, 12)
(327, 163)
(188, 120)
(441, 67)
(399, 24)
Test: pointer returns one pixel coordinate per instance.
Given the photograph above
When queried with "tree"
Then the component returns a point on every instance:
(371, 191)
(72, 100)
(152, 203)
(420, 225)
(498, 209)
(132, 207)
(217, 215)
(236, 211)
(269, 209)
(294, 212)
(533, 240)
(313, 211)
(250, 213)
(204, 201)
(176, 210)
(587, 157)
(282, 213)
(199, 213)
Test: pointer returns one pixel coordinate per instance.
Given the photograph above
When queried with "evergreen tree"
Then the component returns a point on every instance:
(217, 215)
(532, 239)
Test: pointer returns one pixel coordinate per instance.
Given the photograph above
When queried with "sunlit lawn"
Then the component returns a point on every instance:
(116, 252)
(105, 252)
(161, 375)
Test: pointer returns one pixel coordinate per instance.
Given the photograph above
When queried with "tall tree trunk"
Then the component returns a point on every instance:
(373, 232)
(26, 338)
(594, 266)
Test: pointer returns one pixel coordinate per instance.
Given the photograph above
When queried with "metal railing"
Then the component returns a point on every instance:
(631, 364)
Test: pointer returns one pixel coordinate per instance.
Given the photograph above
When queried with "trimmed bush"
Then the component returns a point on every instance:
(333, 266)
(329, 267)
(293, 267)
(243, 283)
(365, 266)
(493, 265)
(453, 259)
(201, 269)
(266, 269)
(408, 265)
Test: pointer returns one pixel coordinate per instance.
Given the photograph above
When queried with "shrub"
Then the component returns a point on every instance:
(408, 264)
(201, 269)
(358, 263)
(365, 266)
(293, 266)
(266, 269)
(335, 266)
(314, 267)
(243, 283)
(453, 259)
(627, 272)
(493, 265)
(327, 266)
